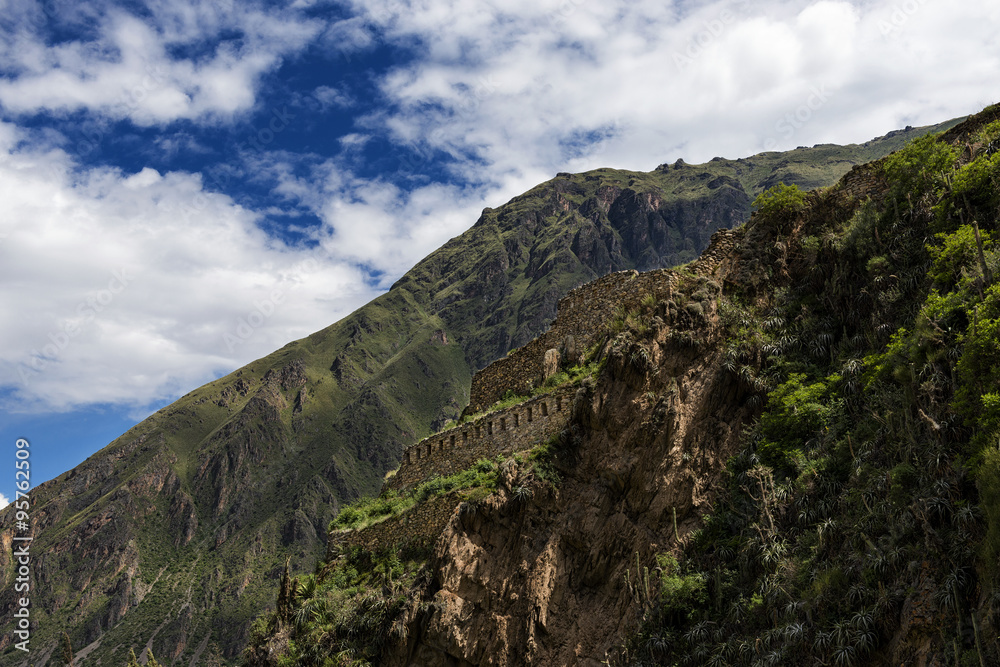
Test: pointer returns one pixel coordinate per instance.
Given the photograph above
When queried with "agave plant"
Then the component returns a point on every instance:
(844, 655)
(700, 632)
(857, 593)
(521, 494)
(822, 641)
(794, 632)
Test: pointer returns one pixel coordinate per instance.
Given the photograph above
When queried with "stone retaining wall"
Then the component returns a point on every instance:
(863, 181)
(517, 428)
(582, 317)
(421, 523)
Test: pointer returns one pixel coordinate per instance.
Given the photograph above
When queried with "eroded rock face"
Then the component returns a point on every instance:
(542, 581)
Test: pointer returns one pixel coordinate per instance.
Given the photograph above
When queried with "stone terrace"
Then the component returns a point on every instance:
(517, 428)
(420, 524)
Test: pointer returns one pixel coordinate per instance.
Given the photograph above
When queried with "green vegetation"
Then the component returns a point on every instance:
(873, 469)
(364, 512)
(151, 660)
(341, 616)
(542, 460)
(67, 650)
(797, 410)
(781, 200)
(574, 375)
(347, 611)
(636, 321)
(680, 591)
(920, 169)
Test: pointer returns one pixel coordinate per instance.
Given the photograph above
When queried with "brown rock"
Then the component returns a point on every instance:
(550, 365)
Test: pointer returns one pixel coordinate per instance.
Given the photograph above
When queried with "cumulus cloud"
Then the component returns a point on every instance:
(504, 89)
(378, 225)
(372, 222)
(4, 501)
(132, 288)
(124, 67)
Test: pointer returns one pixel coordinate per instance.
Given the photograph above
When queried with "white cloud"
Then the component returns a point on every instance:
(372, 222)
(348, 36)
(378, 225)
(4, 501)
(125, 69)
(329, 97)
(506, 88)
(132, 288)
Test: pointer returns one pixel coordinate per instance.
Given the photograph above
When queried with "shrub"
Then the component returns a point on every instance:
(955, 252)
(680, 593)
(780, 201)
(542, 459)
(482, 474)
(796, 411)
(349, 517)
(919, 167)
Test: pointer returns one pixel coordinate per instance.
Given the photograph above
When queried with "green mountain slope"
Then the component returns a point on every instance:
(174, 534)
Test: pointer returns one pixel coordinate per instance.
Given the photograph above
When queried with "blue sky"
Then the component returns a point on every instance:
(169, 170)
